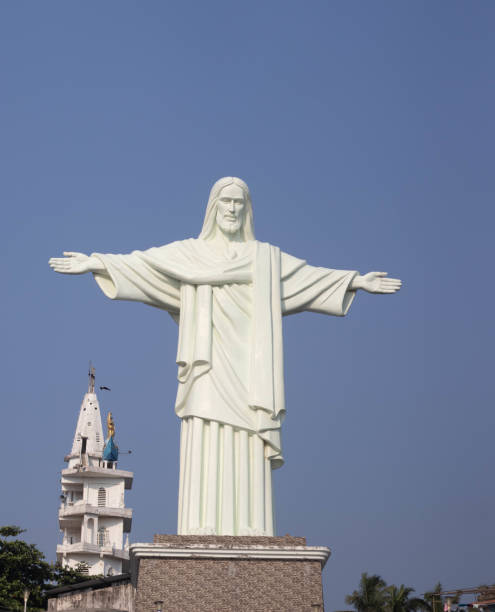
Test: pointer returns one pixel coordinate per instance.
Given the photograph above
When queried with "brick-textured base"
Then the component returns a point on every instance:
(246, 582)
(207, 574)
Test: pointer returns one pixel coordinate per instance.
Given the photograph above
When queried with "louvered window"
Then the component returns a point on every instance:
(102, 497)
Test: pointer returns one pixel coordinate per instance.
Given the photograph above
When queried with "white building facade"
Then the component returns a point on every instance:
(92, 514)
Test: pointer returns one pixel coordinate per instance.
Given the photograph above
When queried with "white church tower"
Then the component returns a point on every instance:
(92, 514)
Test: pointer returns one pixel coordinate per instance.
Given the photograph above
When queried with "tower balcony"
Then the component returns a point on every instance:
(85, 547)
(70, 475)
(67, 514)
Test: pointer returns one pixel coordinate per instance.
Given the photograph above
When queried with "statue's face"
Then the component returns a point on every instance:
(230, 209)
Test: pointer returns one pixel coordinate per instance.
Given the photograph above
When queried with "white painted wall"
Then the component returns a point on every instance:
(114, 492)
(114, 530)
(96, 565)
(114, 564)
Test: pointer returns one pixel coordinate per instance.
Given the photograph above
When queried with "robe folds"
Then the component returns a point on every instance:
(229, 307)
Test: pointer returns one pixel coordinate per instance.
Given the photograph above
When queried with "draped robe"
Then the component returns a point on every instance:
(230, 365)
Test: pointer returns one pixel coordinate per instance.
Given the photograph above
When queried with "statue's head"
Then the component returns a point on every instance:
(229, 209)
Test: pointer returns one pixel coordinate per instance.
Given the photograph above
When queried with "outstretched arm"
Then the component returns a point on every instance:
(124, 277)
(324, 290)
(375, 282)
(76, 263)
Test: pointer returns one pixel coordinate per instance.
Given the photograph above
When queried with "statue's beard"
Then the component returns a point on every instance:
(229, 226)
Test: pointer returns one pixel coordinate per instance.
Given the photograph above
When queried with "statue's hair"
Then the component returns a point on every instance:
(210, 225)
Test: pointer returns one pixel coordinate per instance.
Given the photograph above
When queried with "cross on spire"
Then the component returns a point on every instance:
(91, 377)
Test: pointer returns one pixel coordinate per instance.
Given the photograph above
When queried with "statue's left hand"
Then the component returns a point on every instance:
(377, 282)
(75, 263)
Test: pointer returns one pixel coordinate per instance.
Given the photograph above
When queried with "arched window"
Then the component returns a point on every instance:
(90, 531)
(102, 536)
(102, 496)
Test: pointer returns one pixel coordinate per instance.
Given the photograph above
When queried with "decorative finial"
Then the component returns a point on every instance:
(110, 426)
(91, 377)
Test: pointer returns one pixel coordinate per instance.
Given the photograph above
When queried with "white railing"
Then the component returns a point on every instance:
(82, 506)
(110, 549)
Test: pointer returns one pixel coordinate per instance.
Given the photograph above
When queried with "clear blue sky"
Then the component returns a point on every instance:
(365, 131)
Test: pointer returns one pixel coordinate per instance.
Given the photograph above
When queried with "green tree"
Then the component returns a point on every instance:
(23, 566)
(397, 599)
(370, 596)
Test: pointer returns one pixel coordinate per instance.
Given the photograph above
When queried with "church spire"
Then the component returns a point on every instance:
(87, 446)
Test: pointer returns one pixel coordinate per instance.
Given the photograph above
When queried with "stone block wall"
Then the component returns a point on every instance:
(229, 585)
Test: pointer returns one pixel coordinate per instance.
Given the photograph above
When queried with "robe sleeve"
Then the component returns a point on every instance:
(323, 290)
(131, 277)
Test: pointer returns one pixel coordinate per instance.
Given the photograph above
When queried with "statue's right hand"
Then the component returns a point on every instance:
(72, 263)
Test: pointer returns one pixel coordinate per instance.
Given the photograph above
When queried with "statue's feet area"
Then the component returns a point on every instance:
(183, 541)
(211, 531)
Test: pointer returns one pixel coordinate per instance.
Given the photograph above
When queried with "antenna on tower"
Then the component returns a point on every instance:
(91, 378)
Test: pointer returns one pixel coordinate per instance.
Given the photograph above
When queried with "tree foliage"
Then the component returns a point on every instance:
(398, 599)
(373, 595)
(23, 566)
(370, 596)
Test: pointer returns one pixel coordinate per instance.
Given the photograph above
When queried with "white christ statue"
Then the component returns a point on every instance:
(228, 293)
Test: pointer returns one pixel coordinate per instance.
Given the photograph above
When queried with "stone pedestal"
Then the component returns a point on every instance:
(206, 574)
(228, 574)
